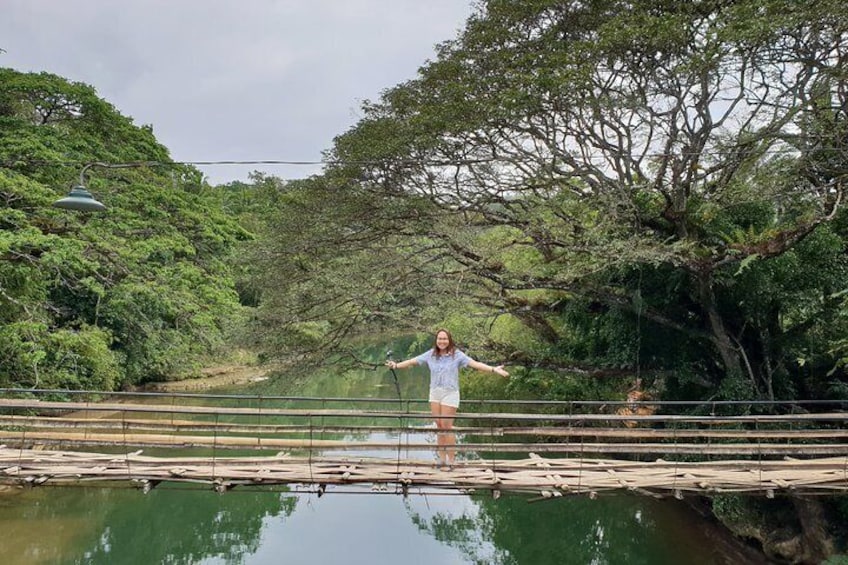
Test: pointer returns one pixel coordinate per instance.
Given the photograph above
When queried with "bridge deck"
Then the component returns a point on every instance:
(548, 477)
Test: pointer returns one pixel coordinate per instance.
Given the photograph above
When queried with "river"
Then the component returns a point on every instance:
(194, 525)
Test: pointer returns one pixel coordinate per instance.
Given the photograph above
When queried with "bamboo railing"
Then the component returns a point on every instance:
(547, 448)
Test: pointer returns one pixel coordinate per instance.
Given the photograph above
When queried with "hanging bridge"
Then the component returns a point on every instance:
(548, 449)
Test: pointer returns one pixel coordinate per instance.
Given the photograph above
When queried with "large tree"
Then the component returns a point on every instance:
(110, 299)
(638, 183)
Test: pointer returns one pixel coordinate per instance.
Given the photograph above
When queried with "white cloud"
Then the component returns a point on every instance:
(232, 79)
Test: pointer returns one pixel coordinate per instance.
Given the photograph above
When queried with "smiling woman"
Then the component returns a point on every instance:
(444, 361)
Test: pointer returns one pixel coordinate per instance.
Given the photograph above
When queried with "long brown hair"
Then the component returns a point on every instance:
(450, 349)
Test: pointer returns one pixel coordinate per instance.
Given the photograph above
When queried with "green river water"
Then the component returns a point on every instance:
(189, 525)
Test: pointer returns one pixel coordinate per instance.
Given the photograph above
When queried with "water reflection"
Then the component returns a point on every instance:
(612, 530)
(121, 525)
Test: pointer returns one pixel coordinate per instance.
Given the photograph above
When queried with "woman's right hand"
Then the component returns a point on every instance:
(391, 364)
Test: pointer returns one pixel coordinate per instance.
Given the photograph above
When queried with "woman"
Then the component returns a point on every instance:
(445, 361)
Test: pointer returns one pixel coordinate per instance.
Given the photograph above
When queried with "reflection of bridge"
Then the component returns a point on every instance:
(560, 448)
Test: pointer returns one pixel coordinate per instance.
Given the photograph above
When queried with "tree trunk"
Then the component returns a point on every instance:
(817, 545)
(721, 338)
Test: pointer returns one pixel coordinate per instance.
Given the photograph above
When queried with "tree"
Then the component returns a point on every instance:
(630, 168)
(100, 301)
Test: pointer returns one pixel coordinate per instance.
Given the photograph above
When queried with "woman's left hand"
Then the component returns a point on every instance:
(500, 370)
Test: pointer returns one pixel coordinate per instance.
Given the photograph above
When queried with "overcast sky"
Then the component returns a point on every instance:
(232, 79)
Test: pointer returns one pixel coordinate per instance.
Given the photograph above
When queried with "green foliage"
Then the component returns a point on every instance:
(33, 356)
(112, 299)
(737, 510)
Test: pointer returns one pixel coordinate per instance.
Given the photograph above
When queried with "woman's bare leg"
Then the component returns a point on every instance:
(449, 442)
(436, 411)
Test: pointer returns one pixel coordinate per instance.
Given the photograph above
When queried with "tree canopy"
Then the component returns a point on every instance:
(109, 299)
(594, 187)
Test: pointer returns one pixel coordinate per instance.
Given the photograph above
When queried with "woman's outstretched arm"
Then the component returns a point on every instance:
(401, 364)
(499, 369)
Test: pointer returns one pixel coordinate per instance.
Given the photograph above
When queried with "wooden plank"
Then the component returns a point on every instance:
(637, 434)
(257, 442)
(10, 404)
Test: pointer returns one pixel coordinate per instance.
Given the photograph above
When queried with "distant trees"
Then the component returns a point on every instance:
(104, 300)
(612, 183)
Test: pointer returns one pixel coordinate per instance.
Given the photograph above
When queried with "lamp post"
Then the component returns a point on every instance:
(79, 198)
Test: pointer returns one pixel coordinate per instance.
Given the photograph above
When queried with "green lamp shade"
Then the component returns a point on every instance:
(79, 199)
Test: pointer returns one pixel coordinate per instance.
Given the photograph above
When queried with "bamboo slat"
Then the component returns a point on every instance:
(331, 413)
(534, 474)
(43, 422)
(263, 442)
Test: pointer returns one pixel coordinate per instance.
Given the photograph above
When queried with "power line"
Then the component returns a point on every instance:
(23, 162)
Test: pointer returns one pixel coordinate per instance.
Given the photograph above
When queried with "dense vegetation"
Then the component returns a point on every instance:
(102, 300)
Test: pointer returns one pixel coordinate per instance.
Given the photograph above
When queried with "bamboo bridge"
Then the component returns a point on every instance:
(548, 449)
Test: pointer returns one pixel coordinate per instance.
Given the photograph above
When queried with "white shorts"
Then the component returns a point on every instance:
(445, 397)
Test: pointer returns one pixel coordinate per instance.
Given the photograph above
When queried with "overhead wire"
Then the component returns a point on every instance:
(11, 163)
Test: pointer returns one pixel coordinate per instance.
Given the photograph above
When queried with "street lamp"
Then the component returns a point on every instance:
(81, 199)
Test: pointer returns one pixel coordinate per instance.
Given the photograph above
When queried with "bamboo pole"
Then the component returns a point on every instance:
(267, 412)
(46, 422)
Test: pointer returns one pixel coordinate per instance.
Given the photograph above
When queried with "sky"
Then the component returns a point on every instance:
(233, 80)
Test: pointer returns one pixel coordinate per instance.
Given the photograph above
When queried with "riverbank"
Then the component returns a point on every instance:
(211, 378)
